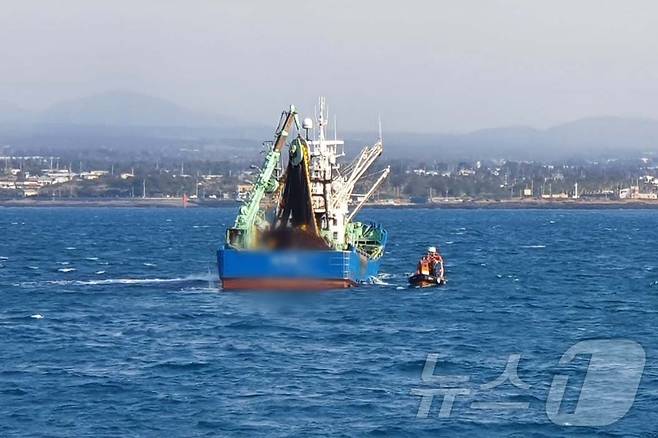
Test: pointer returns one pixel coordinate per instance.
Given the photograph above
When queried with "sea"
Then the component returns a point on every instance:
(113, 323)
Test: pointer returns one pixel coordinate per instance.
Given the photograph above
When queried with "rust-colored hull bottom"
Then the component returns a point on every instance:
(284, 284)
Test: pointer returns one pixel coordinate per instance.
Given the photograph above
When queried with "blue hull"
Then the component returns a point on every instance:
(293, 269)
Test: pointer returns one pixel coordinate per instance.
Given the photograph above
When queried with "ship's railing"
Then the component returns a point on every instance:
(369, 249)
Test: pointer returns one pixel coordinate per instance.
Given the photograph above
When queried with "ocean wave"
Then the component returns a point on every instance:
(377, 281)
(124, 281)
(200, 289)
(533, 246)
(207, 278)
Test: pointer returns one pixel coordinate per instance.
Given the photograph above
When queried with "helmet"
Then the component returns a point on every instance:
(431, 249)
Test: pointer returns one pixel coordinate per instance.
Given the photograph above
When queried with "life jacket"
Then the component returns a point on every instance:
(429, 263)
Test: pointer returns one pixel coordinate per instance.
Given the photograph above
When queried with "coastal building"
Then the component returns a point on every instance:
(633, 192)
(93, 174)
(7, 183)
(29, 187)
(57, 176)
(561, 195)
(242, 190)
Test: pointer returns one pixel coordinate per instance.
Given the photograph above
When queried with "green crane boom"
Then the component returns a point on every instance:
(250, 217)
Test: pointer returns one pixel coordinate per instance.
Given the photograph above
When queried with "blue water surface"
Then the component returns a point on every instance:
(112, 324)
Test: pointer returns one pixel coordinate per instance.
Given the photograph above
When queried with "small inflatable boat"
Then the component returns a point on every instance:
(430, 270)
(422, 280)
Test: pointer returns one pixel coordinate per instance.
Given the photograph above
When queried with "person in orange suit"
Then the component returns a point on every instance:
(435, 262)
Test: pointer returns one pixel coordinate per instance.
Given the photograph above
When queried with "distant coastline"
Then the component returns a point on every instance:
(453, 204)
(114, 202)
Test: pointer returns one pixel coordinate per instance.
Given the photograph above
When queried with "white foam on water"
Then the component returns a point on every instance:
(33, 267)
(110, 281)
(91, 259)
(377, 281)
(4, 258)
(149, 264)
(99, 272)
(207, 277)
(71, 248)
(533, 246)
(200, 289)
(37, 316)
(64, 263)
(66, 269)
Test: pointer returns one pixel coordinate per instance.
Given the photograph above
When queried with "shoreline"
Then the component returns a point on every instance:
(114, 203)
(531, 204)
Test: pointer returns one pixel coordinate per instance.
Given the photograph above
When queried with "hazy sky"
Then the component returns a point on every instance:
(424, 65)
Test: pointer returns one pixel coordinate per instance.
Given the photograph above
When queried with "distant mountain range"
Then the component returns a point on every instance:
(113, 109)
(125, 120)
(126, 109)
(590, 138)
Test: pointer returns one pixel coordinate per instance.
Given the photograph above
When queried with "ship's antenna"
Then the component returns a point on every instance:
(315, 119)
(379, 120)
(322, 119)
(335, 129)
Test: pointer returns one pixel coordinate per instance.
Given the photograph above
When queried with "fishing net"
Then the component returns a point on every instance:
(295, 225)
(295, 207)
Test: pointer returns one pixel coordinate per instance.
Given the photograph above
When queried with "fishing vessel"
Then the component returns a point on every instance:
(297, 227)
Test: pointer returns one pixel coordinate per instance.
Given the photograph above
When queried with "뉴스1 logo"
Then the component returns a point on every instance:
(607, 393)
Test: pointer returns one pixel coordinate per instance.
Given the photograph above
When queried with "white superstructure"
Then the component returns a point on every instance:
(332, 185)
